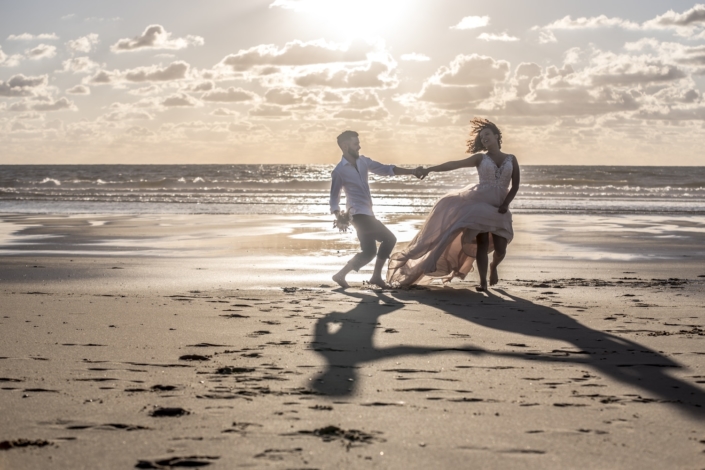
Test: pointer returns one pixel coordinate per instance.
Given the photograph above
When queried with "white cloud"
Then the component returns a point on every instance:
(20, 85)
(684, 24)
(504, 37)
(179, 100)
(362, 115)
(224, 112)
(79, 90)
(298, 53)
(127, 115)
(473, 69)
(58, 105)
(375, 75)
(154, 73)
(269, 111)
(79, 65)
(32, 37)
(231, 95)
(415, 57)
(601, 21)
(42, 51)
(693, 17)
(49, 105)
(10, 61)
(84, 43)
(546, 37)
(155, 37)
(472, 22)
(69, 16)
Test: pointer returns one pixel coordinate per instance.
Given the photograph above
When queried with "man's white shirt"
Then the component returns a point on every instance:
(345, 177)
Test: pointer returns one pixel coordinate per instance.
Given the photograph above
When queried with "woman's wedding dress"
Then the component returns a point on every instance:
(437, 251)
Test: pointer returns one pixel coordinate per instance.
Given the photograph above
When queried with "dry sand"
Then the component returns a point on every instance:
(162, 342)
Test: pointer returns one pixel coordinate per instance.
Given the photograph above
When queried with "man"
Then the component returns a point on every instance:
(351, 176)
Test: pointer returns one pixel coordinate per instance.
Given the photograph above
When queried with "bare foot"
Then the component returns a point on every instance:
(340, 280)
(378, 281)
(494, 277)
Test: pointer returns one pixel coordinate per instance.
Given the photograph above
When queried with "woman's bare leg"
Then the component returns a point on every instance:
(483, 244)
(500, 251)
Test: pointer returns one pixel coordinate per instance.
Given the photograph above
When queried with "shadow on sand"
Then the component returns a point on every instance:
(631, 363)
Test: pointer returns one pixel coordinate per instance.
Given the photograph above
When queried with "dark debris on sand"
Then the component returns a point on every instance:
(160, 412)
(348, 437)
(171, 462)
(6, 445)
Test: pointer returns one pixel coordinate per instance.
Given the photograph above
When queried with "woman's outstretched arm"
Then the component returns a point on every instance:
(516, 178)
(474, 160)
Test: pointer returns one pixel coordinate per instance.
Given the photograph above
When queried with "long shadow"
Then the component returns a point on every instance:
(621, 359)
(626, 361)
(346, 349)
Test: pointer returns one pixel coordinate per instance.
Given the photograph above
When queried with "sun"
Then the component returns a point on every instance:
(358, 18)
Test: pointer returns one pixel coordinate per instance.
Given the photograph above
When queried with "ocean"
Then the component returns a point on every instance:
(303, 189)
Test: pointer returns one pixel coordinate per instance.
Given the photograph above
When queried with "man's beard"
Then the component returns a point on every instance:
(354, 153)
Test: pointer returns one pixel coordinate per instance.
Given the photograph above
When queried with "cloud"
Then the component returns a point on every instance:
(504, 37)
(127, 115)
(224, 112)
(10, 61)
(298, 53)
(472, 22)
(376, 75)
(42, 51)
(693, 17)
(20, 85)
(179, 100)
(546, 37)
(84, 43)
(146, 91)
(58, 105)
(203, 86)
(685, 23)
(455, 96)
(362, 115)
(473, 69)
(79, 90)
(153, 73)
(155, 37)
(415, 57)
(601, 21)
(32, 37)
(79, 65)
(174, 71)
(231, 95)
(269, 111)
(282, 97)
(69, 16)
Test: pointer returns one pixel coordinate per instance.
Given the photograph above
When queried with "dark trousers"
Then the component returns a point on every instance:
(370, 231)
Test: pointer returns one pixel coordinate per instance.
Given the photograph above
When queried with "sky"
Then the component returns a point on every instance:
(275, 81)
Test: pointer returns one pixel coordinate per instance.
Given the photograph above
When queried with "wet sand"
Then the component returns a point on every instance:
(165, 341)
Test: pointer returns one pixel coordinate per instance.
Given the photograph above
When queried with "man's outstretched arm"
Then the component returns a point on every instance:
(405, 171)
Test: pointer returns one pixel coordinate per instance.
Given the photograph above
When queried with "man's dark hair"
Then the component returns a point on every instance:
(477, 125)
(346, 135)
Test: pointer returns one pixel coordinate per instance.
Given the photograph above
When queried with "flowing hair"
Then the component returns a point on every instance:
(477, 125)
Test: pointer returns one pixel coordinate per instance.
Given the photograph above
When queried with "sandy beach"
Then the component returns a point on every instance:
(176, 341)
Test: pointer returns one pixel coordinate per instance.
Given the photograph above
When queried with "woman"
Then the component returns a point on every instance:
(468, 224)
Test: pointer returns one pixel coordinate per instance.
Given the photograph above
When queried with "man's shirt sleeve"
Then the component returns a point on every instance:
(335, 187)
(380, 168)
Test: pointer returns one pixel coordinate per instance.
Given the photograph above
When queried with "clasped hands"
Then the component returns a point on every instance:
(421, 172)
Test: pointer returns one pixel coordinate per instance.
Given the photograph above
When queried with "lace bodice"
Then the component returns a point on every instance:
(492, 175)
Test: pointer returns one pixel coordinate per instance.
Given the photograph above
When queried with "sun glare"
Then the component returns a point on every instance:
(359, 18)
